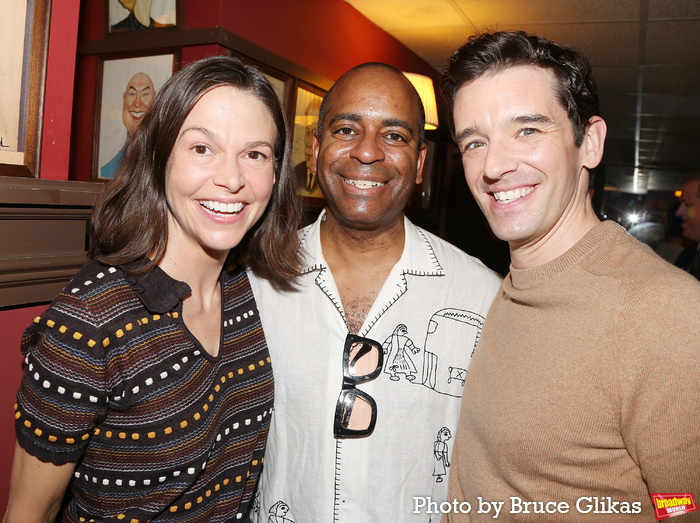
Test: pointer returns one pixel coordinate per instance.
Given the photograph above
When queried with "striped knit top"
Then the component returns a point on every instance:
(160, 429)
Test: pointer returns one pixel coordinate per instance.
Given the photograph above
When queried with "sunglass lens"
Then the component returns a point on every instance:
(356, 412)
(363, 358)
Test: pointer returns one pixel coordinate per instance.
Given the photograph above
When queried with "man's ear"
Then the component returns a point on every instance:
(315, 146)
(593, 142)
(422, 152)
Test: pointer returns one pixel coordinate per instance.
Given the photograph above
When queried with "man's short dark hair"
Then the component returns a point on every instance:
(491, 52)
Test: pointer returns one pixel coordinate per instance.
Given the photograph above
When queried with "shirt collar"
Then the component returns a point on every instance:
(418, 257)
(158, 292)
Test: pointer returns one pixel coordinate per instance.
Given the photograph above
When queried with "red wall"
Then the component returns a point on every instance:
(12, 325)
(325, 36)
(55, 145)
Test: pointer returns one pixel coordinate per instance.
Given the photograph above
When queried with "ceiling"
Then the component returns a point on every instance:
(645, 56)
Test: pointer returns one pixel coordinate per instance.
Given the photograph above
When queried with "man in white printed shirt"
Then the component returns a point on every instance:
(371, 272)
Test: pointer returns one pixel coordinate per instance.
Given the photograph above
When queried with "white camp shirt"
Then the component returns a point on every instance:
(428, 316)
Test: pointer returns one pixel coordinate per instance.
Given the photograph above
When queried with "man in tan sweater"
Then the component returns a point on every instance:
(583, 397)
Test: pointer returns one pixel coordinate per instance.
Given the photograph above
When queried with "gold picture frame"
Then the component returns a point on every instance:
(22, 79)
(307, 103)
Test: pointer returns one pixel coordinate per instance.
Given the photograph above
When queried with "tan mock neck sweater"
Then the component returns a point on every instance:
(585, 384)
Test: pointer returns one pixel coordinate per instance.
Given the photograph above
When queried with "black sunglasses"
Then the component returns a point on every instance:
(356, 411)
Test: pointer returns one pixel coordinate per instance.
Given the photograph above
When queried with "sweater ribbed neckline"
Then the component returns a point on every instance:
(536, 276)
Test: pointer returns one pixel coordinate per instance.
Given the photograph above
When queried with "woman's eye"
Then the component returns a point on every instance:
(256, 155)
(200, 149)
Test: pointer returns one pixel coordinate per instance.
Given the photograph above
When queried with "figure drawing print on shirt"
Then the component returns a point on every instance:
(397, 353)
(403, 361)
(442, 454)
(278, 513)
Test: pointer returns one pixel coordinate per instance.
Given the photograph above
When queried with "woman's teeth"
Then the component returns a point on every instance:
(231, 208)
(509, 196)
(363, 184)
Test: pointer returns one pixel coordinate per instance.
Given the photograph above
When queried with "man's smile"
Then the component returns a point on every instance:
(363, 184)
(512, 195)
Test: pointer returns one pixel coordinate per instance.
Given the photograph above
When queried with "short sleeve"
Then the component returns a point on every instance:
(63, 393)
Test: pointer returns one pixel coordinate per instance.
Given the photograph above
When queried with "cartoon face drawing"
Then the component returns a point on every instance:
(277, 512)
(444, 434)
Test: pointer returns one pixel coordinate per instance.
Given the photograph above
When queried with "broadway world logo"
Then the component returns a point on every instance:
(669, 505)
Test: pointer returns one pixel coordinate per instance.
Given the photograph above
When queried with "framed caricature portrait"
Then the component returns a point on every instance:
(136, 15)
(307, 105)
(22, 74)
(126, 90)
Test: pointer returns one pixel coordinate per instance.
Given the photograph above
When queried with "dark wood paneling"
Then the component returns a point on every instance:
(43, 236)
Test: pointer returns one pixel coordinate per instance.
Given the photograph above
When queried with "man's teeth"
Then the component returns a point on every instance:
(221, 207)
(509, 196)
(363, 184)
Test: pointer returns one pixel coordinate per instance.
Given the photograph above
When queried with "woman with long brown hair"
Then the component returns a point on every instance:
(147, 384)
